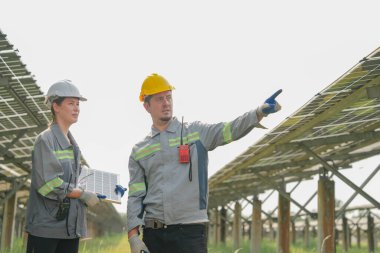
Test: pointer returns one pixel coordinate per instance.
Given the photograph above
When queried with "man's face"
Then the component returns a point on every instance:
(160, 106)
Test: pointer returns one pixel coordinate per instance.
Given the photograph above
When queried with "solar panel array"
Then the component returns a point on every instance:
(22, 116)
(341, 124)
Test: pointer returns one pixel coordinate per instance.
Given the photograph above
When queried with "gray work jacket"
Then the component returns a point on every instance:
(55, 172)
(160, 185)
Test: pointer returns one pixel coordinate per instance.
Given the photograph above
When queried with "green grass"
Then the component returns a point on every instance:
(113, 243)
(118, 243)
(268, 246)
(18, 246)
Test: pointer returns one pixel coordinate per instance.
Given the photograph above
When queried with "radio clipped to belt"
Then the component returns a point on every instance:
(63, 209)
(184, 153)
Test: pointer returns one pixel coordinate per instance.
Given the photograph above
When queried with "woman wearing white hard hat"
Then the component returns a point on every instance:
(56, 215)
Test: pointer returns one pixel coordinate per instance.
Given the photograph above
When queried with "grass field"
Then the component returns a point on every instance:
(118, 243)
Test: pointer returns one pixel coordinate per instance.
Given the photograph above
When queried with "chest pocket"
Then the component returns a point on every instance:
(67, 160)
(149, 158)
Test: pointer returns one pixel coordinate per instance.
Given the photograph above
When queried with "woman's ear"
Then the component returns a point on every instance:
(55, 107)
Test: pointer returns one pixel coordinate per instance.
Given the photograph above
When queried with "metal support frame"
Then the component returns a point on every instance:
(28, 130)
(291, 191)
(268, 196)
(16, 187)
(18, 163)
(306, 203)
(283, 193)
(4, 150)
(341, 211)
(254, 206)
(340, 176)
(242, 217)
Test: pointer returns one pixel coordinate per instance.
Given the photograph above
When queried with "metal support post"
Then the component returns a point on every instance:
(307, 233)
(9, 214)
(283, 224)
(256, 226)
(345, 233)
(326, 215)
(237, 227)
(371, 233)
(223, 222)
(216, 226)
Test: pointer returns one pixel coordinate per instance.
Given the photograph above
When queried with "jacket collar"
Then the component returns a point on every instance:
(173, 125)
(62, 141)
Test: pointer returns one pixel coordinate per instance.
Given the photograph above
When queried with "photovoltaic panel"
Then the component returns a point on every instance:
(101, 182)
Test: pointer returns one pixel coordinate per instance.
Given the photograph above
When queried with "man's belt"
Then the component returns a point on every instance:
(155, 224)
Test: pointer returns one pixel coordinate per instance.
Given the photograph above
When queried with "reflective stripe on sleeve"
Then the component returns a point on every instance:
(136, 187)
(50, 185)
(227, 135)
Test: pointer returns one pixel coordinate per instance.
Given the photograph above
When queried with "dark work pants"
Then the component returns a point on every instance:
(188, 238)
(51, 245)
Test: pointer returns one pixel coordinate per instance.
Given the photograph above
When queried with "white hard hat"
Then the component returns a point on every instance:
(64, 88)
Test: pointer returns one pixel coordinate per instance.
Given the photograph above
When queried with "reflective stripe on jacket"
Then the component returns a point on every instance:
(55, 172)
(161, 184)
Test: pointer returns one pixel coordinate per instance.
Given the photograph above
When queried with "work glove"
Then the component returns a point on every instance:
(137, 246)
(120, 190)
(91, 198)
(270, 105)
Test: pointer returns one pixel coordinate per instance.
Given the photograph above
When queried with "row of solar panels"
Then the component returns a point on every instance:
(338, 126)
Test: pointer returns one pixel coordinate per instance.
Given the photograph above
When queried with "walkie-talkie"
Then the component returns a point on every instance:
(183, 149)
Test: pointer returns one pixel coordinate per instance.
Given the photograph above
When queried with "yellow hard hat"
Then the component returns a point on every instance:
(154, 84)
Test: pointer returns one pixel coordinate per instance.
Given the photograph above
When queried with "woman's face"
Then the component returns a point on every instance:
(68, 111)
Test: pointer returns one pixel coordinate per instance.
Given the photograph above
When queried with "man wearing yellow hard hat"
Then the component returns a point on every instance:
(168, 192)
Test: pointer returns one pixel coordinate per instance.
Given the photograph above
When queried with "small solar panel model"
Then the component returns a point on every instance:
(100, 182)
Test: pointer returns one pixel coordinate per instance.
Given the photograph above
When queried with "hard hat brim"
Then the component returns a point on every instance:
(47, 99)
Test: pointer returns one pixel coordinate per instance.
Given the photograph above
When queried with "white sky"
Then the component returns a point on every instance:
(223, 57)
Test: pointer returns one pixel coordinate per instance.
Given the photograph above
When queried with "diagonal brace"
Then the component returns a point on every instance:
(340, 176)
(341, 211)
(283, 193)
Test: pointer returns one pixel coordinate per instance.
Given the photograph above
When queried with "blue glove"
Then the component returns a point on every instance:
(270, 105)
(101, 196)
(120, 190)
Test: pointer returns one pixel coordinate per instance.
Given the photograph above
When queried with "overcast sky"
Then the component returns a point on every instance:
(223, 57)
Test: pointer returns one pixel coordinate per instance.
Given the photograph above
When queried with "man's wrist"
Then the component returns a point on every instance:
(133, 231)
